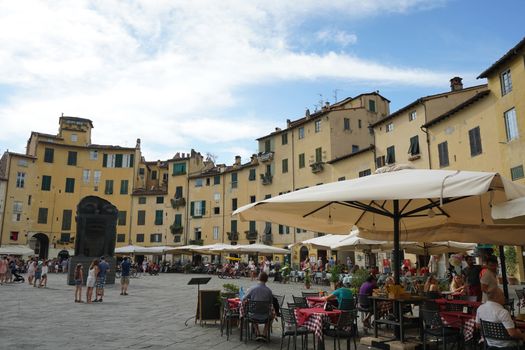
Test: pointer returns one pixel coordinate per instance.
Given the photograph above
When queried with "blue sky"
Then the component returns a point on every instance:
(216, 75)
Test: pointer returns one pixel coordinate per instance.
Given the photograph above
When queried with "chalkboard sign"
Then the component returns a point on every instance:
(208, 306)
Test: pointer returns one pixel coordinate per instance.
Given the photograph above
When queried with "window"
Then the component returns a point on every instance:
(96, 177)
(154, 175)
(142, 200)
(179, 168)
(216, 210)
(71, 158)
(155, 238)
(65, 237)
(20, 179)
(93, 155)
(252, 199)
(66, 219)
(359, 125)
(49, 154)
(346, 124)
(117, 160)
(342, 178)
(109, 187)
(252, 175)
(140, 237)
(355, 148)
(267, 228)
(217, 180)
(70, 185)
(178, 220)
(413, 149)
(371, 105)
(506, 82)
(380, 161)
(13, 236)
(301, 132)
(122, 218)
(365, 173)
(516, 172)
(121, 237)
(142, 171)
(198, 182)
(207, 181)
(412, 116)
(22, 162)
(390, 127)
(159, 215)
(17, 210)
(285, 165)
(197, 231)
(284, 138)
(160, 200)
(198, 208)
(215, 232)
(267, 196)
(390, 155)
(42, 215)
(124, 186)
(46, 183)
(216, 197)
(234, 204)
(511, 124)
(178, 192)
(29, 200)
(317, 125)
(319, 155)
(233, 226)
(443, 154)
(475, 141)
(234, 180)
(301, 161)
(284, 229)
(141, 217)
(267, 146)
(86, 173)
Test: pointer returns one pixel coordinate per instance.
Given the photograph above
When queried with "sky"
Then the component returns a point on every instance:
(216, 75)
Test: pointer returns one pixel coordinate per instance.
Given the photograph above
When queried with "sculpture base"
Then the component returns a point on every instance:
(86, 262)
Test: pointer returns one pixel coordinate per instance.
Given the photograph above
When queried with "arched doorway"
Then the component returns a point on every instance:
(303, 253)
(40, 244)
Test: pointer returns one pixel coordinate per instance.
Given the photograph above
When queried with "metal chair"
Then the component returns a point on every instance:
(433, 326)
(347, 304)
(365, 307)
(258, 312)
(293, 306)
(301, 301)
(228, 314)
(280, 299)
(345, 328)
(496, 331)
(290, 329)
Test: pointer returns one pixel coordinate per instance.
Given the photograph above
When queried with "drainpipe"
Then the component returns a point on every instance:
(425, 130)
(371, 130)
(5, 202)
(188, 204)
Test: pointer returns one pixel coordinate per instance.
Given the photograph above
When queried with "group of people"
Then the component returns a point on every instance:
(96, 279)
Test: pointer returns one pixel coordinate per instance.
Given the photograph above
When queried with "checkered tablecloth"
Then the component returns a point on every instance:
(315, 322)
(468, 324)
(384, 308)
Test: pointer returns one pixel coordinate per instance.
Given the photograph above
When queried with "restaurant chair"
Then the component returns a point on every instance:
(364, 306)
(347, 304)
(345, 328)
(291, 329)
(520, 294)
(257, 313)
(301, 301)
(433, 327)
(280, 299)
(310, 294)
(496, 331)
(293, 306)
(228, 314)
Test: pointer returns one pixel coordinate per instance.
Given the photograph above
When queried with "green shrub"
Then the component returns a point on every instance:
(358, 278)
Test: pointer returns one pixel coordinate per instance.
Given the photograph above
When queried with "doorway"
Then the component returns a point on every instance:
(40, 244)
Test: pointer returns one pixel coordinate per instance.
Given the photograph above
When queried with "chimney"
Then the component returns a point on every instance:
(237, 160)
(307, 113)
(456, 84)
(288, 122)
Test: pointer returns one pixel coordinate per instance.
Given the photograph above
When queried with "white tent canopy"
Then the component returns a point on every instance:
(324, 242)
(212, 248)
(259, 248)
(131, 249)
(16, 250)
(354, 242)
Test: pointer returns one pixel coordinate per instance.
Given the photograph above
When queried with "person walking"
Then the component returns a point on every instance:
(31, 271)
(91, 280)
(79, 278)
(471, 277)
(45, 270)
(103, 268)
(125, 268)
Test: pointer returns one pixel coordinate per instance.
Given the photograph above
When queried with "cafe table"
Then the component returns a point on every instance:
(314, 319)
(458, 319)
(318, 301)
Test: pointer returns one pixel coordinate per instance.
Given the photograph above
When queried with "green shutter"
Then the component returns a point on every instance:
(203, 207)
(118, 161)
(192, 208)
(105, 160)
(131, 160)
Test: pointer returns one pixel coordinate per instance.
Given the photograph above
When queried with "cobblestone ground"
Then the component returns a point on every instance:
(152, 316)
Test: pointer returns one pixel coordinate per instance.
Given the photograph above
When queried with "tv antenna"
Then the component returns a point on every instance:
(335, 94)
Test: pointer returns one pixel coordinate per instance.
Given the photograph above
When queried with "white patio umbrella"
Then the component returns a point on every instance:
(259, 248)
(212, 248)
(324, 242)
(436, 248)
(131, 249)
(16, 250)
(354, 242)
(412, 205)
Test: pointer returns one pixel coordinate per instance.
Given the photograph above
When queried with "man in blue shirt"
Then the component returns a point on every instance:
(125, 268)
(340, 293)
(103, 268)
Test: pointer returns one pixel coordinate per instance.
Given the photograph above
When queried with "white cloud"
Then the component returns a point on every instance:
(165, 71)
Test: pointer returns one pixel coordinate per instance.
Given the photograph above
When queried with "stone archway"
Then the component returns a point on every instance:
(303, 253)
(40, 244)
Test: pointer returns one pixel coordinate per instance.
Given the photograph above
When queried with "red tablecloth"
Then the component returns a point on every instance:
(520, 324)
(459, 319)
(235, 303)
(318, 302)
(474, 304)
(314, 318)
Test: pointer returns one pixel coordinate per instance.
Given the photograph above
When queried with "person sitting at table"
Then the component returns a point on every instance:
(457, 286)
(367, 288)
(493, 311)
(260, 292)
(339, 293)
(431, 285)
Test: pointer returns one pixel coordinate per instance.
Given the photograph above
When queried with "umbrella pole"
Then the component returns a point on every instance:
(397, 262)
(504, 271)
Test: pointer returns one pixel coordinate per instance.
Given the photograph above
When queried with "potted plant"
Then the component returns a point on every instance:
(307, 279)
(285, 273)
(511, 262)
(335, 275)
(230, 290)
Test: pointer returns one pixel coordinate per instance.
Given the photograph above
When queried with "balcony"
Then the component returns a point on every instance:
(317, 167)
(196, 242)
(178, 202)
(264, 157)
(176, 230)
(266, 179)
(233, 236)
(251, 235)
(267, 239)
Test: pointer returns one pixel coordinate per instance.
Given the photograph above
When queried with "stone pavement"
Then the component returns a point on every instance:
(152, 316)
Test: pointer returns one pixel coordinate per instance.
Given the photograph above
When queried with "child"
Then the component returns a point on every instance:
(79, 278)
(38, 274)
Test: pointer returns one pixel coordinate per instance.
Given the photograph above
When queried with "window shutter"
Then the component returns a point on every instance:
(105, 160)
(192, 208)
(203, 208)
(131, 160)
(118, 161)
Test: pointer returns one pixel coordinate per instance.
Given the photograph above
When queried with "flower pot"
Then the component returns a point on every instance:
(332, 285)
(307, 285)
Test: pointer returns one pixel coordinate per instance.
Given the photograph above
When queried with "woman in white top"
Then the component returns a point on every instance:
(30, 272)
(45, 270)
(92, 277)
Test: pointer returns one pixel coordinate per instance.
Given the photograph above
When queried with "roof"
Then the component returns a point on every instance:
(146, 192)
(46, 135)
(421, 100)
(350, 155)
(75, 119)
(511, 53)
(333, 107)
(473, 99)
(21, 155)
